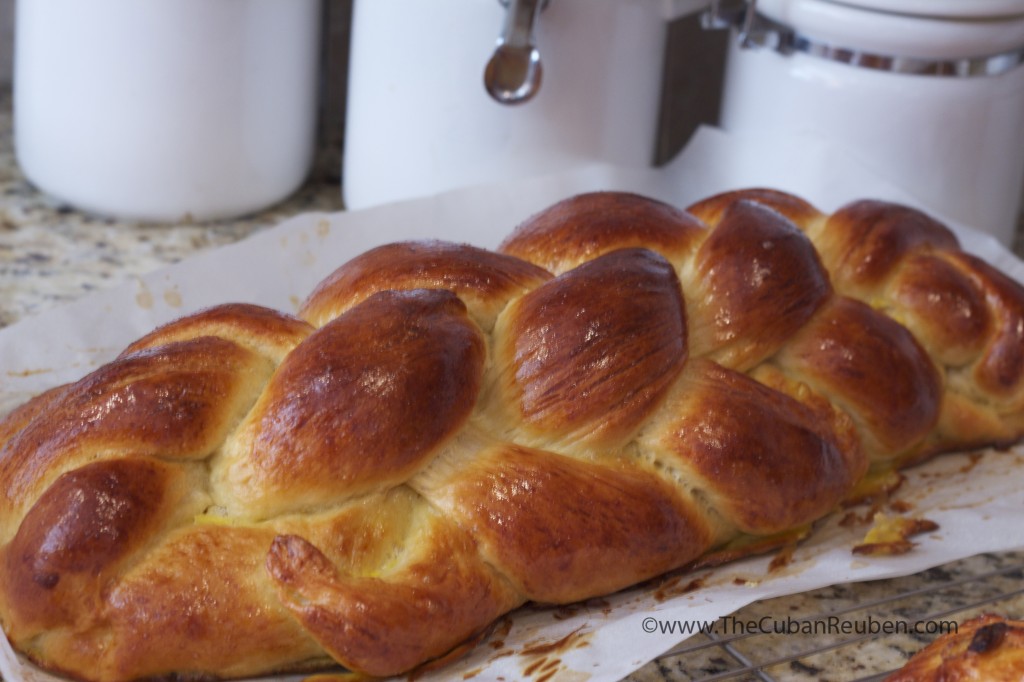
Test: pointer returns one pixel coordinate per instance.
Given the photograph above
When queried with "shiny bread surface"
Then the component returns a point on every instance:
(443, 433)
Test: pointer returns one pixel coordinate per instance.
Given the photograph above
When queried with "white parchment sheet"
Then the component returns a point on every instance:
(977, 504)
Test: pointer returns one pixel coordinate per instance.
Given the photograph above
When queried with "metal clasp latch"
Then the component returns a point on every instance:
(752, 29)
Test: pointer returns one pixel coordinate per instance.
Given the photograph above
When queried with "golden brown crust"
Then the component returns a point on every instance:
(451, 432)
(763, 460)
(23, 415)
(441, 595)
(177, 401)
(363, 403)
(76, 533)
(944, 308)
(873, 369)
(262, 330)
(1001, 367)
(863, 242)
(755, 282)
(793, 208)
(549, 521)
(484, 280)
(586, 356)
(203, 595)
(987, 648)
(583, 227)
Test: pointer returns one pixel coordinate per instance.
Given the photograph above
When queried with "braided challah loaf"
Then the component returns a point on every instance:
(445, 433)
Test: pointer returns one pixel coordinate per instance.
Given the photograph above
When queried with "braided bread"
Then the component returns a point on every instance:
(444, 433)
(985, 648)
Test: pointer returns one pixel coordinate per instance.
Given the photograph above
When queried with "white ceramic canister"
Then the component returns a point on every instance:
(927, 93)
(420, 121)
(166, 110)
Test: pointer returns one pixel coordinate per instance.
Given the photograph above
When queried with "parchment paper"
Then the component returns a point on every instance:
(978, 503)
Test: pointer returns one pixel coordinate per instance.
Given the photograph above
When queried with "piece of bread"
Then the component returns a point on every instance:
(444, 433)
(987, 648)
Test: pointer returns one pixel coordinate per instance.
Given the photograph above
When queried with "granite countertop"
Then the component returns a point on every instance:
(50, 253)
(954, 592)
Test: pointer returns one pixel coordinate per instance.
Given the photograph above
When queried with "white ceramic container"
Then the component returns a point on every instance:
(419, 120)
(928, 93)
(166, 110)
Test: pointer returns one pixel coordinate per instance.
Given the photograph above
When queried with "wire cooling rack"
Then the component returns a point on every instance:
(848, 633)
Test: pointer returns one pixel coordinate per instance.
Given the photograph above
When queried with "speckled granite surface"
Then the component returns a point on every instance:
(935, 598)
(50, 253)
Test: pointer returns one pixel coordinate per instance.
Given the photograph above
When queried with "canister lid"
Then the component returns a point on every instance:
(963, 9)
(919, 29)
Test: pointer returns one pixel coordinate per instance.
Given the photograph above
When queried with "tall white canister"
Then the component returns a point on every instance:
(166, 110)
(419, 118)
(927, 93)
